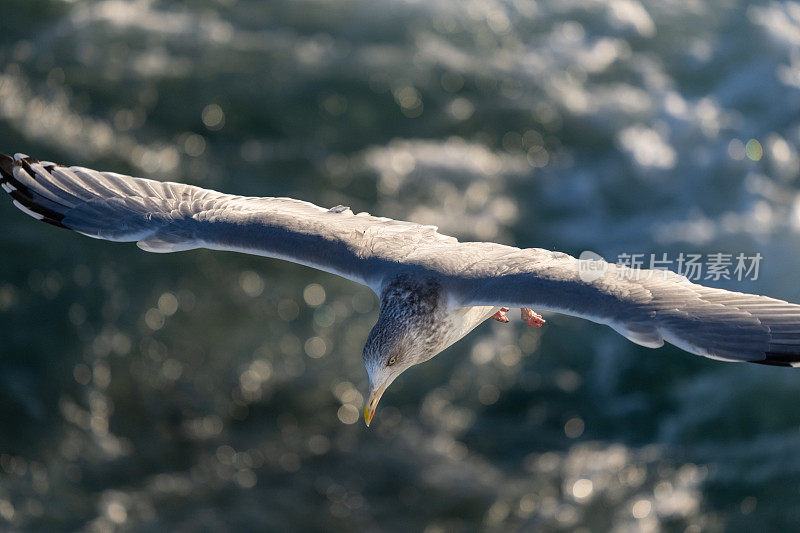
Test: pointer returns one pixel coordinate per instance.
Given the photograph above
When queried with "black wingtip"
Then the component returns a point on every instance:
(22, 193)
(772, 363)
(6, 165)
(780, 359)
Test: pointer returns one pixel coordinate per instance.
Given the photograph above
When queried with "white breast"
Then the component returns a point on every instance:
(465, 319)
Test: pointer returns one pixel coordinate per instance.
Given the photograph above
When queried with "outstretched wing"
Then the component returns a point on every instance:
(646, 306)
(168, 217)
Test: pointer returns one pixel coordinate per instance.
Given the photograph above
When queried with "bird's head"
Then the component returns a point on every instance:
(382, 371)
(387, 354)
(409, 331)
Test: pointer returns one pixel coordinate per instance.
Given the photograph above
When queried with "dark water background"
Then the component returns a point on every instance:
(207, 391)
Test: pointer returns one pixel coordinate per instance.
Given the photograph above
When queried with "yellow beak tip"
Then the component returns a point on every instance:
(367, 416)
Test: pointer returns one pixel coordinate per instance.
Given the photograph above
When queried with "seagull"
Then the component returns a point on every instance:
(433, 289)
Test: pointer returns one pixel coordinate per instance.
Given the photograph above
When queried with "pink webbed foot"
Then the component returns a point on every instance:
(531, 318)
(500, 316)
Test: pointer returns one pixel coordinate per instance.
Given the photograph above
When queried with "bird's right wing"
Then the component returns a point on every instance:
(168, 217)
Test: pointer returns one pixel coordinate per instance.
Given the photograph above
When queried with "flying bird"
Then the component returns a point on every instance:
(433, 289)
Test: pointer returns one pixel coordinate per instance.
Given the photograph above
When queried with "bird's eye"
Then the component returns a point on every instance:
(392, 361)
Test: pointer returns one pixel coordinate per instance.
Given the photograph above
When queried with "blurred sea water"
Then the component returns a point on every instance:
(205, 391)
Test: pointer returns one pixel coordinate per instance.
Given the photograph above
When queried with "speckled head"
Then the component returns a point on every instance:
(413, 326)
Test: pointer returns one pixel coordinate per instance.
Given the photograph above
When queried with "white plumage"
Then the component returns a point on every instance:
(169, 217)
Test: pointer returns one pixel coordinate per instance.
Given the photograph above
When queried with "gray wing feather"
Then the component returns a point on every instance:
(168, 217)
(648, 307)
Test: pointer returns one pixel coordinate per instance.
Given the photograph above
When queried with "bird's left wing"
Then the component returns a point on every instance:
(646, 306)
(168, 217)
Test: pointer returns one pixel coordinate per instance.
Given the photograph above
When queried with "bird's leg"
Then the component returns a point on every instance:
(500, 316)
(531, 318)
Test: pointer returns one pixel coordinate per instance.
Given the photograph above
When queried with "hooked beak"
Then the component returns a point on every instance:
(373, 399)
